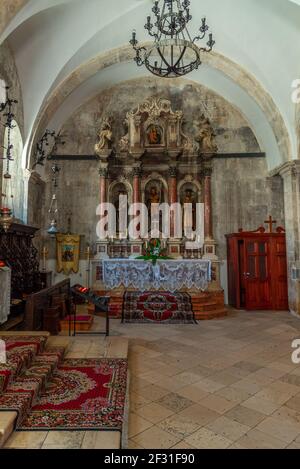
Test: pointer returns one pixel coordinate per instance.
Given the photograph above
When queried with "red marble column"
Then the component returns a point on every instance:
(208, 226)
(172, 195)
(137, 173)
(103, 185)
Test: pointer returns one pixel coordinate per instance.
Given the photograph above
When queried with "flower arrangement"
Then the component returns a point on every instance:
(154, 251)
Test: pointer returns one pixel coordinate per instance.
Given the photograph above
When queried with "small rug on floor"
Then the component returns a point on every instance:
(158, 308)
(83, 394)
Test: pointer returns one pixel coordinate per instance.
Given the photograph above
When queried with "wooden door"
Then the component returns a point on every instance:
(257, 275)
(279, 274)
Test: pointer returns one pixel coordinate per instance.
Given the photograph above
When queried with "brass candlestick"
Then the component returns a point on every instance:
(88, 259)
(45, 253)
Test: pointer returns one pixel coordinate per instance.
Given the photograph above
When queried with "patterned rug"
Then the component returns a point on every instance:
(82, 395)
(158, 307)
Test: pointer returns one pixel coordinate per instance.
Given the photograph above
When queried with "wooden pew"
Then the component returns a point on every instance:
(39, 306)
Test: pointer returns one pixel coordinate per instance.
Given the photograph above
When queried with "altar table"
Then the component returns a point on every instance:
(168, 275)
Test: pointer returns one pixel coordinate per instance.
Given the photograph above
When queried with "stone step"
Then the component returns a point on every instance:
(208, 315)
(28, 386)
(7, 425)
(20, 354)
(211, 307)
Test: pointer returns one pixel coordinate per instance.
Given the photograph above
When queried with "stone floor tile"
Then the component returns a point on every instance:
(175, 402)
(63, 440)
(206, 439)
(245, 416)
(217, 404)
(153, 392)
(228, 428)
(156, 438)
(261, 405)
(154, 412)
(234, 395)
(294, 403)
(179, 426)
(199, 414)
(102, 440)
(193, 393)
(137, 424)
(26, 440)
(256, 439)
(279, 428)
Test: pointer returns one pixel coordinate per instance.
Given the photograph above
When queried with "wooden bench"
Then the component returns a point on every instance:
(39, 305)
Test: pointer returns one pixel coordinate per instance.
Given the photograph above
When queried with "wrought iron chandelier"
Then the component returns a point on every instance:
(174, 53)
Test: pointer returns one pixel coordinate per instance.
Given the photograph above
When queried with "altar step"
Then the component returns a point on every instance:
(209, 305)
(31, 367)
(206, 305)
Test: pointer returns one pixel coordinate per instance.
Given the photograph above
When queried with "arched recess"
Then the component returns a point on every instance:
(215, 63)
(14, 189)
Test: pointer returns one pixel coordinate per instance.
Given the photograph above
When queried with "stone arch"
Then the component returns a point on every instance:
(189, 180)
(125, 183)
(124, 54)
(154, 177)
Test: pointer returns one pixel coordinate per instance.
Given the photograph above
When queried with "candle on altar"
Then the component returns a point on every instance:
(45, 253)
(88, 253)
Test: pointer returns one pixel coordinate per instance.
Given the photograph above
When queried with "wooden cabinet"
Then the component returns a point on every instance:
(257, 270)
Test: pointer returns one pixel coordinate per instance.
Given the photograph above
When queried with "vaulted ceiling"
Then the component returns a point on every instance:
(67, 51)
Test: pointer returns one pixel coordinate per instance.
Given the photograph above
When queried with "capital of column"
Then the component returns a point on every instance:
(103, 172)
(137, 171)
(207, 172)
(289, 168)
(207, 167)
(173, 172)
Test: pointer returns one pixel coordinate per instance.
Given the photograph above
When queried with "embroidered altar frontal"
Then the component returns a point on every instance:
(167, 275)
(82, 395)
(158, 307)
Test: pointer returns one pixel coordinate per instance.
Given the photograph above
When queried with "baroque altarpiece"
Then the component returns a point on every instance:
(157, 161)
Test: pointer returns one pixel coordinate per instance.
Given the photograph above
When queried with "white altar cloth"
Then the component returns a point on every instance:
(168, 275)
(5, 282)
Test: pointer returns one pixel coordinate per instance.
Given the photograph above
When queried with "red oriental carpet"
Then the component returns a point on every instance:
(158, 307)
(82, 395)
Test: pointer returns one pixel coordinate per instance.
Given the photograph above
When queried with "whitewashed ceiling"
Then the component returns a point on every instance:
(52, 38)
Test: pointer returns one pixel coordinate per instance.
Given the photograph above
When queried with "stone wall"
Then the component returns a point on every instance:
(233, 131)
(244, 197)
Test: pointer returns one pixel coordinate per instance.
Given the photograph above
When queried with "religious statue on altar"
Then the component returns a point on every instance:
(153, 201)
(206, 136)
(154, 197)
(105, 137)
(189, 216)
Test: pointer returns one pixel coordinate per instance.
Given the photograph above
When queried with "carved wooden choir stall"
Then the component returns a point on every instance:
(25, 303)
